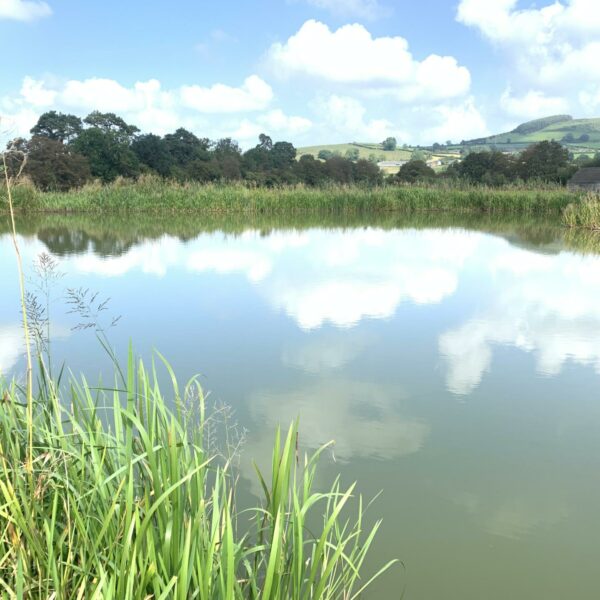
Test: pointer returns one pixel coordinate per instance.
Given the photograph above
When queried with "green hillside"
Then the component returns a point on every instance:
(580, 135)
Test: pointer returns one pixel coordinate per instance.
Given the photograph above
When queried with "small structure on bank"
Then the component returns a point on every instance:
(587, 178)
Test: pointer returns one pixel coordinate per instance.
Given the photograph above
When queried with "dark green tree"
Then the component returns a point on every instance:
(367, 172)
(545, 161)
(108, 156)
(283, 155)
(57, 126)
(152, 151)
(310, 171)
(389, 143)
(111, 123)
(52, 165)
(185, 147)
(415, 170)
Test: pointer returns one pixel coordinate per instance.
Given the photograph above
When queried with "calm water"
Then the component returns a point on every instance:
(456, 369)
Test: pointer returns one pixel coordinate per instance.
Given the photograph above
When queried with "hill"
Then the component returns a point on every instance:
(581, 136)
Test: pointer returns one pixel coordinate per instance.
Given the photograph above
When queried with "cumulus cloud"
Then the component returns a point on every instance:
(253, 94)
(24, 10)
(455, 122)
(351, 55)
(549, 46)
(152, 108)
(533, 104)
(275, 122)
(347, 116)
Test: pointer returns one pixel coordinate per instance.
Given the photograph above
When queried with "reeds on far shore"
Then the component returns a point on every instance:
(585, 214)
(151, 194)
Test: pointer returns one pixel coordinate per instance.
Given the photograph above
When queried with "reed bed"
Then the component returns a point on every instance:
(584, 214)
(123, 501)
(154, 195)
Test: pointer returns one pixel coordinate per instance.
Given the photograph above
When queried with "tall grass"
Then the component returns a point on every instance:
(151, 194)
(124, 502)
(585, 214)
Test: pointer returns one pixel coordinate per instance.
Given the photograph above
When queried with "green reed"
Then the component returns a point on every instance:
(151, 194)
(124, 501)
(585, 214)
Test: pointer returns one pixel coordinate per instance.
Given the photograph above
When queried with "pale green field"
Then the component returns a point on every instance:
(365, 151)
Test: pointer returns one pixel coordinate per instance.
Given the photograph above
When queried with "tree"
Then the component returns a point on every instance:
(389, 143)
(57, 126)
(184, 147)
(309, 170)
(52, 165)
(415, 170)
(339, 169)
(352, 154)
(227, 146)
(543, 161)
(108, 156)
(325, 154)
(283, 155)
(419, 155)
(367, 172)
(111, 123)
(153, 152)
(265, 141)
(490, 168)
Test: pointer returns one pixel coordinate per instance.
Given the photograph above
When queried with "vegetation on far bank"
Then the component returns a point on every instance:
(66, 152)
(153, 194)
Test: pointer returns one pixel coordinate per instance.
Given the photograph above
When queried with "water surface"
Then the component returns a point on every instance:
(455, 364)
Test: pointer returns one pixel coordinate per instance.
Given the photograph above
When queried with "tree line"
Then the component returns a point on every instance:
(65, 151)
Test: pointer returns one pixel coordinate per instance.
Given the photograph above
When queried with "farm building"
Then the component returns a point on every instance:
(587, 178)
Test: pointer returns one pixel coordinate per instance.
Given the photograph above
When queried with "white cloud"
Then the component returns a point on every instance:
(362, 9)
(152, 108)
(533, 104)
(534, 311)
(351, 55)
(346, 116)
(275, 123)
(253, 94)
(24, 10)
(554, 48)
(455, 122)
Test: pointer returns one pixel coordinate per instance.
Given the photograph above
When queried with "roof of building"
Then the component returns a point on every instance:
(586, 175)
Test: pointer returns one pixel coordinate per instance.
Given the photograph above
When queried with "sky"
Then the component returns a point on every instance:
(306, 71)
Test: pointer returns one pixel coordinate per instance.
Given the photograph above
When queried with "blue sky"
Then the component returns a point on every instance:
(310, 71)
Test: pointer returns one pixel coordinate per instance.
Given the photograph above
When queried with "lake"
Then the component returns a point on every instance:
(454, 361)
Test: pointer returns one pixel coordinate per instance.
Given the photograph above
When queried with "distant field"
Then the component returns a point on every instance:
(365, 151)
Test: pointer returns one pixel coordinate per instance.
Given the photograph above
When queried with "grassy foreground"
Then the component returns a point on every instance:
(120, 499)
(151, 194)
